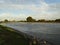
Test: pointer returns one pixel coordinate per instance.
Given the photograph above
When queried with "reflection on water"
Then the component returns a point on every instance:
(48, 31)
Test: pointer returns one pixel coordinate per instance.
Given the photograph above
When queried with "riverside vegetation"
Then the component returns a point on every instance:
(31, 19)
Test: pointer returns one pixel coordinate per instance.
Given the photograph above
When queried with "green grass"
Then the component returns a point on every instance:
(9, 36)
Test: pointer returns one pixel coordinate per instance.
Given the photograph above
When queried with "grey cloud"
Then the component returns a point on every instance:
(55, 7)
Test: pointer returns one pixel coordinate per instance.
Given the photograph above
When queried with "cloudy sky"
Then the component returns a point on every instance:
(38, 9)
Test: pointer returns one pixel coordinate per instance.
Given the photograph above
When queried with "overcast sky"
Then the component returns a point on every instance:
(38, 9)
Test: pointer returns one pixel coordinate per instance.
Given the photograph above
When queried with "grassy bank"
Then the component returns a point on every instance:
(9, 36)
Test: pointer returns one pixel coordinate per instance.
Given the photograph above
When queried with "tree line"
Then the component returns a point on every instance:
(31, 19)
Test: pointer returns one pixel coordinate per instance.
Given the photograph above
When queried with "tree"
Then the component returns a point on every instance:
(5, 20)
(30, 19)
(57, 20)
(42, 20)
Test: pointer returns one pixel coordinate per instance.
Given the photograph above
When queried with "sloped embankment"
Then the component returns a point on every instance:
(9, 36)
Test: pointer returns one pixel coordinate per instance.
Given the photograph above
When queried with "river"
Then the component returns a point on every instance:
(47, 31)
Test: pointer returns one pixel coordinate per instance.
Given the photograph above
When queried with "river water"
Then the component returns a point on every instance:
(47, 31)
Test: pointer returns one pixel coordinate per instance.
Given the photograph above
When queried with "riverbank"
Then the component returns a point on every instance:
(9, 36)
(28, 22)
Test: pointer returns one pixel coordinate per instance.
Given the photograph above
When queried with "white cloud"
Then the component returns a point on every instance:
(6, 16)
(11, 16)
